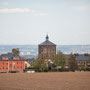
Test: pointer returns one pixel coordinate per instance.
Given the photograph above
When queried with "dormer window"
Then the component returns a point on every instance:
(13, 63)
(16, 58)
(22, 57)
(4, 58)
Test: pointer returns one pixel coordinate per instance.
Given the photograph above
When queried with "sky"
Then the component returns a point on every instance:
(22, 22)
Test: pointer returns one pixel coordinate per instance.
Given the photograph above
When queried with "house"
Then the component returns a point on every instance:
(83, 60)
(11, 62)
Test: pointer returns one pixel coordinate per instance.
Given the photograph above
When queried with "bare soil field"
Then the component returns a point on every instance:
(45, 81)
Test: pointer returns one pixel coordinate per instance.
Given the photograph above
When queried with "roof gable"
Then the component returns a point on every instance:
(47, 42)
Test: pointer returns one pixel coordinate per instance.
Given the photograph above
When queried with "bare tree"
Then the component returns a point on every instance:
(72, 63)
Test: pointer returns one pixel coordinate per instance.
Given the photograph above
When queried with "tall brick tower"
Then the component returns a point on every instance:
(47, 49)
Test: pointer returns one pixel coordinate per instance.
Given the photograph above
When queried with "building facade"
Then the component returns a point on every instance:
(11, 62)
(47, 49)
(83, 60)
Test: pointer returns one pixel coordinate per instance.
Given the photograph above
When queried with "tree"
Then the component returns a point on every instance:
(88, 60)
(40, 65)
(59, 59)
(15, 51)
(72, 63)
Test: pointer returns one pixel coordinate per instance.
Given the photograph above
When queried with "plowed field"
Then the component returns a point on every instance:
(45, 81)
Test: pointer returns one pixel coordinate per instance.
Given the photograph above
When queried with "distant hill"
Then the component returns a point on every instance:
(30, 51)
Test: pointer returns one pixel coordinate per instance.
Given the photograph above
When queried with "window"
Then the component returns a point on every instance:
(21, 67)
(41, 50)
(3, 67)
(6, 63)
(48, 52)
(45, 50)
(17, 67)
(10, 65)
(0, 67)
(53, 49)
(3, 63)
(25, 65)
(21, 63)
(0, 63)
(17, 62)
(14, 67)
(16, 58)
(5, 58)
(13, 63)
(6, 67)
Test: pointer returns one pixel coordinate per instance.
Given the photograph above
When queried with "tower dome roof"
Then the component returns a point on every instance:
(47, 42)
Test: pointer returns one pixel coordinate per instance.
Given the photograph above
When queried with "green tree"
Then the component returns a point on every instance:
(40, 65)
(72, 63)
(89, 58)
(15, 51)
(59, 59)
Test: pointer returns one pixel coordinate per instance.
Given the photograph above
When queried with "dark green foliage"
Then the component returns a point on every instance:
(62, 68)
(15, 51)
(85, 68)
(40, 65)
(59, 60)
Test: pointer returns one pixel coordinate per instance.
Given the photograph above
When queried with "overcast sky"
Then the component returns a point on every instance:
(28, 21)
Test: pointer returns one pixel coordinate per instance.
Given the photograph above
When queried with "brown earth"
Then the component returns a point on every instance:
(45, 81)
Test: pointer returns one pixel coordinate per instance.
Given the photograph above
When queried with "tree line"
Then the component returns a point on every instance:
(57, 63)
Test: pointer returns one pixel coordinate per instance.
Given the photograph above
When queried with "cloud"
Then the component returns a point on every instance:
(22, 10)
(40, 14)
(4, 4)
(14, 10)
(32, 11)
(81, 8)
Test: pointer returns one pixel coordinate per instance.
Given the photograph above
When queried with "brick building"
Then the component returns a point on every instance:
(47, 49)
(83, 60)
(11, 62)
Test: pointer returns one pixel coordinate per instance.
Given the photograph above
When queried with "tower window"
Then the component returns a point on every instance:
(45, 50)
